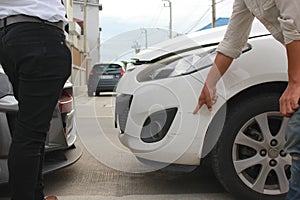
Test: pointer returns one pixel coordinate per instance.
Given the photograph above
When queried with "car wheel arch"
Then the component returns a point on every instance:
(263, 93)
(214, 129)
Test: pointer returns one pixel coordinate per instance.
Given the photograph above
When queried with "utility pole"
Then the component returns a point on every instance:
(170, 22)
(99, 36)
(136, 47)
(146, 36)
(84, 27)
(213, 6)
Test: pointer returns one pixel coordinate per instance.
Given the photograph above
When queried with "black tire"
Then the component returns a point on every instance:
(245, 117)
(97, 93)
(90, 93)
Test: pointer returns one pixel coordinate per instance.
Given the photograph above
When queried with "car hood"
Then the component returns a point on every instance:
(196, 40)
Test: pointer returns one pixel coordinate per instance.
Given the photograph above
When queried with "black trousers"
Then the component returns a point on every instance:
(38, 62)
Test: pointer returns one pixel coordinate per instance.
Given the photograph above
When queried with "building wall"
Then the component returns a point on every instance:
(75, 43)
(92, 26)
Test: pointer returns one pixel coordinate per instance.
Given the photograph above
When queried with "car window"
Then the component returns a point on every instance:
(113, 68)
(107, 67)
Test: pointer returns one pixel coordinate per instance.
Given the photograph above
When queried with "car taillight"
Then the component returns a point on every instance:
(66, 101)
(91, 72)
(122, 72)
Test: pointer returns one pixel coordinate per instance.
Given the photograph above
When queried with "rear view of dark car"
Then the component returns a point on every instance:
(104, 77)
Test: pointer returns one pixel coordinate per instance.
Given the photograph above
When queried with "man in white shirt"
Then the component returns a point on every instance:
(282, 19)
(37, 61)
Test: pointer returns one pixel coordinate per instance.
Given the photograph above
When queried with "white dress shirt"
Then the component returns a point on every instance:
(50, 10)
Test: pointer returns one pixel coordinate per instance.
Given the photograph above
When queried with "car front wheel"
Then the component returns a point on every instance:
(249, 158)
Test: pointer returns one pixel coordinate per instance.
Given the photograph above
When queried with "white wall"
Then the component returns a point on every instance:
(92, 25)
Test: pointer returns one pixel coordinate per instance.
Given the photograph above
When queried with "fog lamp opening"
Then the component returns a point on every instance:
(157, 125)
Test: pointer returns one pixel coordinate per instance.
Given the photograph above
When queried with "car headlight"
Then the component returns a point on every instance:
(177, 65)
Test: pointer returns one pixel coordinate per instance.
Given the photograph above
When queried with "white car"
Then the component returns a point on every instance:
(243, 135)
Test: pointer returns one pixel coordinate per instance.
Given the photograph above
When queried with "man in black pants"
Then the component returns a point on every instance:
(37, 61)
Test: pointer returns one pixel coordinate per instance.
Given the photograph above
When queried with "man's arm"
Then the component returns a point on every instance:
(238, 30)
(290, 98)
(207, 95)
(290, 24)
(231, 47)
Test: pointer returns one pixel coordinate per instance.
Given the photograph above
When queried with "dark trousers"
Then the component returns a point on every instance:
(292, 146)
(38, 62)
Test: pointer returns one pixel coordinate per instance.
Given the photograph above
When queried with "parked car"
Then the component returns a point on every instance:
(60, 148)
(243, 136)
(104, 77)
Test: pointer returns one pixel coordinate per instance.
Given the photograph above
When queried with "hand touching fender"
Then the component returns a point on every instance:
(208, 94)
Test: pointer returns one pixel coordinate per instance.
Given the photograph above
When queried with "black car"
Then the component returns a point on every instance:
(104, 77)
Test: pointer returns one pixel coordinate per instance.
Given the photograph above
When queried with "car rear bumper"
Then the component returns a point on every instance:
(102, 84)
(106, 88)
(60, 159)
(53, 161)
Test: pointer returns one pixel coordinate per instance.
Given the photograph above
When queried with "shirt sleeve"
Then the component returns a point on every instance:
(238, 30)
(289, 19)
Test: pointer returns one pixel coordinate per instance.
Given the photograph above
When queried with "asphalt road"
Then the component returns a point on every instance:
(107, 170)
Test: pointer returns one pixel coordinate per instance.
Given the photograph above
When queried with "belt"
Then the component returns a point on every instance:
(24, 18)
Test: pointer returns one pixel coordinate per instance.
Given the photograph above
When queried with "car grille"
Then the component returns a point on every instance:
(123, 103)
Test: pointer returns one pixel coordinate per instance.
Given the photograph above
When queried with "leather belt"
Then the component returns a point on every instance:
(24, 18)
